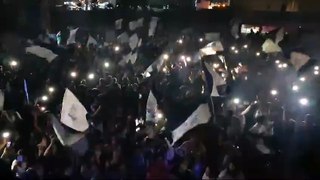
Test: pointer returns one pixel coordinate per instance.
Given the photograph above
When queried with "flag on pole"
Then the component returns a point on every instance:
(200, 116)
(211, 48)
(213, 80)
(72, 36)
(118, 24)
(153, 26)
(270, 47)
(42, 52)
(73, 113)
(151, 108)
(279, 36)
(133, 41)
(91, 40)
(123, 38)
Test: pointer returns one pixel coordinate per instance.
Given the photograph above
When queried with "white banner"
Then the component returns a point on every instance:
(42, 52)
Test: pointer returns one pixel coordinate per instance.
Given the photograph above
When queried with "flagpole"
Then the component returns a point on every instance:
(26, 90)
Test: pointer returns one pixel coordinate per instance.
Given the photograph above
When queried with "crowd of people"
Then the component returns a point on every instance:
(252, 134)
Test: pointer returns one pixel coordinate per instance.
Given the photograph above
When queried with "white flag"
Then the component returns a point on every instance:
(279, 36)
(125, 59)
(270, 47)
(235, 28)
(151, 108)
(118, 24)
(123, 38)
(133, 41)
(200, 116)
(211, 48)
(140, 22)
(1, 100)
(133, 57)
(132, 25)
(73, 113)
(72, 36)
(91, 40)
(42, 52)
(213, 36)
(153, 26)
(216, 78)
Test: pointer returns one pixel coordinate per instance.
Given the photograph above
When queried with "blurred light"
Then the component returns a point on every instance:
(13, 63)
(280, 66)
(233, 48)
(236, 101)
(183, 57)
(316, 68)
(159, 115)
(137, 129)
(245, 46)
(284, 65)
(201, 39)
(180, 41)
(258, 54)
(302, 79)
(246, 78)
(106, 64)
(188, 59)
(295, 88)
(91, 76)
(43, 108)
(140, 96)
(300, 27)
(274, 92)
(216, 65)
(73, 74)
(165, 70)
(116, 48)
(236, 51)
(165, 56)
(44, 98)
(316, 72)
(223, 75)
(5, 134)
(277, 61)
(304, 101)
(51, 89)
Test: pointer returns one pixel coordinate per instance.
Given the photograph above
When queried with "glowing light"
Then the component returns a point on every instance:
(280, 66)
(165, 70)
(245, 46)
(295, 88)
(316, 68)
(183, 57)
(180, 41)
(51, 89)
(188, 59)
(116, 48)
(304, 101)
(277, 61)
(5, 134)
(13, 63)
(236, 51)
(223, 75)
(302, 79)
(44, 98)
(43, 108)
(106, 64)
(233, 48)
(274, 92)
(201, 39)
(236, 101)
(159, 115)
(165, 56)
(216, 65)
(316, 72)
(137, 129)
(284, 65)
(258, 54)
(73, 74)
(91, 76)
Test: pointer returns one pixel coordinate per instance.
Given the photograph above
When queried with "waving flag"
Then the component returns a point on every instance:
(211, 48)
(118, 24)
(72, 36)
(213, 79)
(151, 108)
(200, 116)
(133, 41)
(91, 40)
(73, 113)
(279, 36)
(153, 26)
(42, 52)
(270, 47)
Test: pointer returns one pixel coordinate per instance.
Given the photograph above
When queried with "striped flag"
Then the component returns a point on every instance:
(213, 80)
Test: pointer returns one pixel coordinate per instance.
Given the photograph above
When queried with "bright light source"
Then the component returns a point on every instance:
(316, 68)
(13, 63)
(295, 88)
(5, 134)
(180, 41)
(200, 39)
(245, 46)
(183, 57)
(302, 79)
(159, 115)
(51, 89)
(44, 98)
(280, 66)
(316, 72)
(236, 51)
(216, 65)
(223, 75)
(233, 48)
(91, 76)
(304, 101)
(43, 108)
(258, 54)
(165, 70)
(277, 61)
(274, 92)
(137, 129)
(106, 64)
(246, 78)
(116, 48)
(73, 74)
(188, 59)
(284, 65)
(236, 101)
(165, 56)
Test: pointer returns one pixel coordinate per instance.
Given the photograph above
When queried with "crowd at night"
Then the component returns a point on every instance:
(140, 100)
